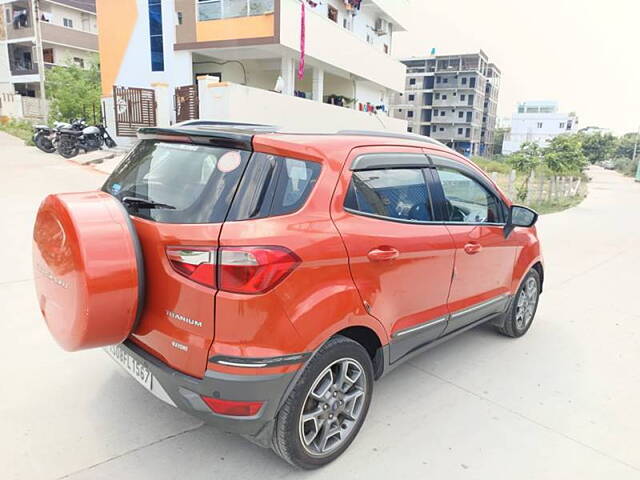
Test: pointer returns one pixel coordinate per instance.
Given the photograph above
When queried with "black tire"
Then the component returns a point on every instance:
(110, 143)
(68, 149)
(44, 143)
(512, 327)
(288, 430)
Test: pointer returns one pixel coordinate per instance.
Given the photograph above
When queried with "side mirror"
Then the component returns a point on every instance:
(519, 216)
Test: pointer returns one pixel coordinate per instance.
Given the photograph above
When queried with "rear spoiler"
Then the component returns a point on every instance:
(242, 140)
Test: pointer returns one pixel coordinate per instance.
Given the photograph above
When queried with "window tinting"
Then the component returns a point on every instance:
(396, 194)
(273, 186)
(197, 182)
(466, 200)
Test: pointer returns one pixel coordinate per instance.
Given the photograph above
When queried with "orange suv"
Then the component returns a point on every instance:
(262, 281)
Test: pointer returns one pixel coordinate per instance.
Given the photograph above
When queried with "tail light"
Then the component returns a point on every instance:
(248, 270)
(233, 408)
(254, 269)
(198, 265)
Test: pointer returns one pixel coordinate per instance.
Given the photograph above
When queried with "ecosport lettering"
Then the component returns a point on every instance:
(182, 318)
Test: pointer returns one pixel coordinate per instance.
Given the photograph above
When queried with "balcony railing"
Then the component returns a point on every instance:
(23, 68)
(218, 9)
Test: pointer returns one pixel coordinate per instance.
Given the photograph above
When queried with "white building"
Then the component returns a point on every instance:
(250, 52)
(538, 122)
(69, 34)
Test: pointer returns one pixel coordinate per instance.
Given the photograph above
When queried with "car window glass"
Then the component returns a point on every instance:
(466, 200)
(395, 193)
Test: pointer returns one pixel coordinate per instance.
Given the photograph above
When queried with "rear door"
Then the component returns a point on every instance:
(474, 214)
(190, 188)
(400, 259)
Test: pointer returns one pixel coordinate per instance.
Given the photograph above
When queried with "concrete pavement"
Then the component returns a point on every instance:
(562, 402)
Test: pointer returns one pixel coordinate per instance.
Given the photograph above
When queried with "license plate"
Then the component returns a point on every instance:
(136, 369)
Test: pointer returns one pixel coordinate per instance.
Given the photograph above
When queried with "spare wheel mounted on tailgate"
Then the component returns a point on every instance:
(88, 269)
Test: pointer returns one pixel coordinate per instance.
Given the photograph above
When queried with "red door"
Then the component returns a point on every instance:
(474, 215)
(400, 262)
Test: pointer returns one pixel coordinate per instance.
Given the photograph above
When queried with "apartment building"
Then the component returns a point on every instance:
(68, 31)
(539, 122)
(452, 98)
(293, 63)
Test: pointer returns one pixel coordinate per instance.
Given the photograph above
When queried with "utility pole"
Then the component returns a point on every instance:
(39, 57)
(635, 152)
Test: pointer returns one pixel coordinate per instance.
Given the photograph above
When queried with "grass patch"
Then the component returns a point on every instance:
(18, 128)
(559, 205)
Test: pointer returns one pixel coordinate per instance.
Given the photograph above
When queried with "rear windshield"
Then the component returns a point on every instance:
(187, 183)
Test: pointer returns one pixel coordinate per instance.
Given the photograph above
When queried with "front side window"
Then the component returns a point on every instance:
(399, 194)
(466, 200)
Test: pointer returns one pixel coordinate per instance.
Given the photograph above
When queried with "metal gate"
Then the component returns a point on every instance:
(134, 108)
(186, 102)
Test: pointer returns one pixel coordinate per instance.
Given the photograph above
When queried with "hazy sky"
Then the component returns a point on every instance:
(583, 53)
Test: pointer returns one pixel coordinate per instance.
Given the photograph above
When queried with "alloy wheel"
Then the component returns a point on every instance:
(333, 406)
(527, 302)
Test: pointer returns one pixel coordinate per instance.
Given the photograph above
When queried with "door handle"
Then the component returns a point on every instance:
(472, 248)
(383, 254)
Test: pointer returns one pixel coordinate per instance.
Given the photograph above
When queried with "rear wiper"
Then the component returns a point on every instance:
(142, 203)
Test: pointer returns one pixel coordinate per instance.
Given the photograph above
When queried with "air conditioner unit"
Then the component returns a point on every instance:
(382, 27)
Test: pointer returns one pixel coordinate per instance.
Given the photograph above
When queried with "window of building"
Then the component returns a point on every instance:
(467, 200)
(455, 94)
(561, 124)
(442, 129)
(179, 18)
(67, 22)
(463, 97)
(332, 13)
(460, 114)
(156, 37)
(464, 80)
(439, 80)
(79, 61)
(412, 81)
(386, 48)
(397, 194)
(539, 124)
(410, 114)
(445, 80)
(437, 96)
(472, 82)
(435, 112)
(410, 129)
(460, 130)
(412, 98)
(467, 133)
(444, 97)
(442, 113)
(47, 55)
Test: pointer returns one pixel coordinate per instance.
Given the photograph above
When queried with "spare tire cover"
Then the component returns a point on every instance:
(88, 269)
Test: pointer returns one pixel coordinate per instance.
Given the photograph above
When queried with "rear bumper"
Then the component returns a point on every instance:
(185, 392)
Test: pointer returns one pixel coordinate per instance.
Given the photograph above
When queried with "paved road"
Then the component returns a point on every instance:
(562, 402)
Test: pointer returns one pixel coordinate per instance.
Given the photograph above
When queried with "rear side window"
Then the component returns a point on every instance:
(399, 194)
(273, 185)
(188, 183)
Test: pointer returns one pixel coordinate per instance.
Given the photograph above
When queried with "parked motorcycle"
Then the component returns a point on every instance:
(71, 141)
(46, 137)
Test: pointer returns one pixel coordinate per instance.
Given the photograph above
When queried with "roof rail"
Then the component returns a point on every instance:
(405, 136)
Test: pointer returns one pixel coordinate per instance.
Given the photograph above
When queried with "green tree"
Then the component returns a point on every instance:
(564, 155)
(73, 91)
(525, 161)
(626, 144)
(598, 147)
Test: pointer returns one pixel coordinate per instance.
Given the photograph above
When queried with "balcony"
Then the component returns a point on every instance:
(334, 45)
(19, 23)
(69, 36)
(220, 9)
(19, 68)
